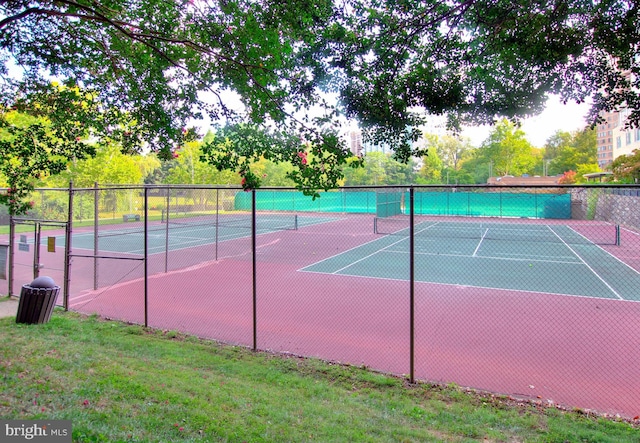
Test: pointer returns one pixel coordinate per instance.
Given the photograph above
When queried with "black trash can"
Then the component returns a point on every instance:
(37, 301)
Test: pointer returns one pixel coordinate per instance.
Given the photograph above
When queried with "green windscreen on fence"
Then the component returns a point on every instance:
(426, 202)
(494, 204)
(389, 203)
(333, 201)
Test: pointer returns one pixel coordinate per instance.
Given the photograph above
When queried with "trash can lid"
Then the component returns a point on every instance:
(43, 282)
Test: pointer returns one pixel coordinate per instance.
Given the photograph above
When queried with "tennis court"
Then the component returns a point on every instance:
(184, 233)
(542, 258)
(534, 296)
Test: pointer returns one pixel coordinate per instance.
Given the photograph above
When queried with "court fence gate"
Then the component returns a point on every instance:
(528, 291)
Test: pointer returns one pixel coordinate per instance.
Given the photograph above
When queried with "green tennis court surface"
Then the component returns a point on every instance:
(183, 234)
(540, 258)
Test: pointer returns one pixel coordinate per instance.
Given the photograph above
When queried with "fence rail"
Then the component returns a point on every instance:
(525, 291)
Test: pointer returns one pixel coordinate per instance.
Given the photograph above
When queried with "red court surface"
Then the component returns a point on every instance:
(569, 350)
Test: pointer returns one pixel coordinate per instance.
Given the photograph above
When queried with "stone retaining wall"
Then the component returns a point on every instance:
(600, 204)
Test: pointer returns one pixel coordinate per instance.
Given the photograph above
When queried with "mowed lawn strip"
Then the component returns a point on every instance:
(124, 383)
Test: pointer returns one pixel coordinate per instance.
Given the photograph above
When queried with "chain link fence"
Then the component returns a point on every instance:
(531, 292)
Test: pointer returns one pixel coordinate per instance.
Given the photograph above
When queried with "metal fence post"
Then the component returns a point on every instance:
(217, 220)
(37, 231)
(67, 250)
(411, 287)
(96, 227)
(165, 219)
(254, 264)
(146, 256)
(12, 244)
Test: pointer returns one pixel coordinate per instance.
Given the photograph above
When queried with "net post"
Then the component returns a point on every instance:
(295, 222)
(617, 235)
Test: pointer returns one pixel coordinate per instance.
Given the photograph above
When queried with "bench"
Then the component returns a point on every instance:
(127, 217)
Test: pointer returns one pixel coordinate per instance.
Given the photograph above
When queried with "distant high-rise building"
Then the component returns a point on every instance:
(355, 141)
(358, 147)
(605, 138)
(613, 138)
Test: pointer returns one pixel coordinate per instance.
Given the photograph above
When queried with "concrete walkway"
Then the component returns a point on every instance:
(8, 307)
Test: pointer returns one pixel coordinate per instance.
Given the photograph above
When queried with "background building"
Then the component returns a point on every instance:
(613, 139)
(355, 141)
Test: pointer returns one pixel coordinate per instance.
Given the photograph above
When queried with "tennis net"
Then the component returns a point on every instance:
(209, 222)
(265, 222)
(582, 234)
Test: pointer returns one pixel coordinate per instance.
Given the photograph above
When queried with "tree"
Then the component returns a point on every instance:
(568, 178)
(277, 174)
(450, 150)
(586, 169)
(478, 60)
(626, 168)
(388, 62)
(431, 170)
(375, 171)
(507, 150)
(477, 166)
(154, 60)
(380, 169)
(147, 165)
(108, 166)
(39, 134)
(555, 143)
(576, 152)
(50, 125)
(357, 176)
(188, 169)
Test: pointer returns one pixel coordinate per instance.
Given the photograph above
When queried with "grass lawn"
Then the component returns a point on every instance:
(124, 383)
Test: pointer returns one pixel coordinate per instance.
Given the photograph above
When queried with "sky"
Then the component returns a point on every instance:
(556, 116)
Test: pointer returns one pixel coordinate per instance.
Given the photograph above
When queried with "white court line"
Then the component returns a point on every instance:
(467, 286)
(379, 250)
(488, 257)
(367, 256)
(587, 265)
(502, 255)
(480, 243)
(574, 259)
(607, 252)
(178, 242)
(403, 238)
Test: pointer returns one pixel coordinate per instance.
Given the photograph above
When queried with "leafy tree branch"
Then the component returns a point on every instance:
(389, 62)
